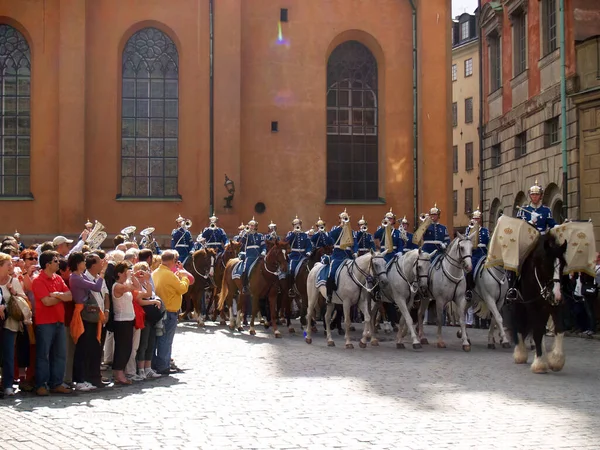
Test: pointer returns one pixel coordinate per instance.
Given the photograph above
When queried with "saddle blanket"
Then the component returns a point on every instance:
(238, 269)
(324, 273)
(478, 267)
(581, 246)
(511, 243)
(298, 267)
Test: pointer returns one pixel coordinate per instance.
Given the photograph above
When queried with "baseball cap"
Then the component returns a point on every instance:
(61, 240)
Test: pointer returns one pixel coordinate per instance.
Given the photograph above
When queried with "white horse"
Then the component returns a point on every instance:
(355, 277)
(446, 284)
(407, 274)
(489, 293)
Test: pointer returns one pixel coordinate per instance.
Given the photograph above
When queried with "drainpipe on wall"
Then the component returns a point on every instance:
(211, 112)
(563, 107)
(480, 106)
(415, 118)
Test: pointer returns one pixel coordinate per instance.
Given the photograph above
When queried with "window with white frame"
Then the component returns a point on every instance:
(464, 30)
(468, 67)
(454, 72)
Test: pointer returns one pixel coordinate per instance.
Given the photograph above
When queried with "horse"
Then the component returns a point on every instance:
(446, 283)
(489, 294)
(263, 282)
(299, 288)
(231, 250)
(201, 264)
(355, 276)
(541, 297)
(407, 274)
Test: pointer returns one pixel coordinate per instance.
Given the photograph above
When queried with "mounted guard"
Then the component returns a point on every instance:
(343, 239)
(253, 245)
(181, 238)
(389, 237)
(273, 236)
(320, 238)
(436, 235)
(17, 237)
(363, 241)
(301, 248)
(148, 240)
(406, 236)
(481, 241)
(540, 217)
(215, 237)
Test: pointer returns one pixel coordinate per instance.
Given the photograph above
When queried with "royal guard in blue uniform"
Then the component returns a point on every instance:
(253, 245)
(480, 251)
(301, 248)
(181, 238)
(406, 237)
(436, 236)
(17, 237)
(363, 240)
(215, 237)
(273, 236)
(321, 238)
(389, 237)
(538, 215)
(343, 243)
(241, 230)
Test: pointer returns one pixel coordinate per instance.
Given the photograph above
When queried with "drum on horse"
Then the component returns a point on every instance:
(488, 299)
(407, 275)
(201, 264)
(355, 276)
(231, 250)
(447, 284)
(263, 282)
(299, 287)
(541, 297)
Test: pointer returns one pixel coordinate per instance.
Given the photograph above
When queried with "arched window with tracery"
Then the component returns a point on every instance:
(150, 115)
(352, 123)
(15, 117)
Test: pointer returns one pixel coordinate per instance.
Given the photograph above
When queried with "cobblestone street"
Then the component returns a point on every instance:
(240, 391)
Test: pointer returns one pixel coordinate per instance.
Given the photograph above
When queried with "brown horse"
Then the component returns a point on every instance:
(299, 288)
(231, 251)
(263, 282)
(201, 264)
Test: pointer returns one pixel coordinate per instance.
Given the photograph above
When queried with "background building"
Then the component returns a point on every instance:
(465, 118)
(110, 112)
(522, 105)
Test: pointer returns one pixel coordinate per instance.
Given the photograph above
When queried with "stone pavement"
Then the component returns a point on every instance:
(245, 392)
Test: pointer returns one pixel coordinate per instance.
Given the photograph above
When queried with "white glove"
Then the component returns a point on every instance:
(443, 245)
(534, 217)
(308, 253)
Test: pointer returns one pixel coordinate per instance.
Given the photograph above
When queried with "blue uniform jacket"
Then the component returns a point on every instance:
(409, 243)
(216, 238)
(181, 240)
(321, 239)
(397, 243)
(338, 254)
(482, 248)
(434, 236)
(300, 244)
(253, 244)
(363, 242)
(544, 221)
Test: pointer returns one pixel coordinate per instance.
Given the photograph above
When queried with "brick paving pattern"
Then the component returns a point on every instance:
(246, 392)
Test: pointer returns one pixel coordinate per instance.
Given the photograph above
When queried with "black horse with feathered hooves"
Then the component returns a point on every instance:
(541, 297)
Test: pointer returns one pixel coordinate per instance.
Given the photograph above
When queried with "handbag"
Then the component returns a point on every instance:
(91, 310)
(153, 314)
(13, 310)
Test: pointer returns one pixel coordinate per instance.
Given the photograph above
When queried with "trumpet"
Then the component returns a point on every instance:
(385, 222)
(297, 228)
(321, 228)
(346, 219)
(364, 228)
(212, 225)
(187, 224)
(423, 217)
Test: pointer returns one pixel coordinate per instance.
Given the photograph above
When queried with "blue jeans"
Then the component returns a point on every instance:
(51, 354)
(162, 359)
(8, 358)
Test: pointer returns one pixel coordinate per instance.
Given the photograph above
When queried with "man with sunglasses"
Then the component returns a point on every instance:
(50, 292)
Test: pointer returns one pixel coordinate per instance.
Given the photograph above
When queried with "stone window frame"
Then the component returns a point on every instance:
(518, 15)
(454, 72)
(545, 38)
(521, 145)
(491, 19)
(469, 110)
(496, 156)
(468, 200)
(454, 114)
(552, 128)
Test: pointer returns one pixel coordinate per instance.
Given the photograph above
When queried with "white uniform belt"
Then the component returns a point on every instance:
(298, 250)
(363, 249)
(214, 243)
(252, 246)
(182, 245)
(542, 233)
(433, 242)
(482, 246)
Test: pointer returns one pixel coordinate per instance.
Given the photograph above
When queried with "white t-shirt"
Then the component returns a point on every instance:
(123, 306)
(99, 296)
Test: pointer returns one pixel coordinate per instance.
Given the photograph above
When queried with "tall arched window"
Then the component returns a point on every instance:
(149, 114)
(352, 154)
(15, 119)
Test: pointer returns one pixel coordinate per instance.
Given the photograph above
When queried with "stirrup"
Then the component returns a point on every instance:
(469, 295)
(511, 295)
(291, 292)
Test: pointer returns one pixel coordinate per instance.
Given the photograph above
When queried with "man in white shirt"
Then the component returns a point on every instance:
(94, 265)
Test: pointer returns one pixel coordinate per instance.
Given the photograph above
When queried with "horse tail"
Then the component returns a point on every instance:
(480, 308)
(224, 286)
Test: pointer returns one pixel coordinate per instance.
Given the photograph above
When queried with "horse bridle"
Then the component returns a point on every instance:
(212, 267)
(369, 279)
(546, 290)
(276, 273)
(460, 262)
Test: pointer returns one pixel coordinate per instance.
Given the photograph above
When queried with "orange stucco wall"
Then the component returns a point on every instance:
(76, 82)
